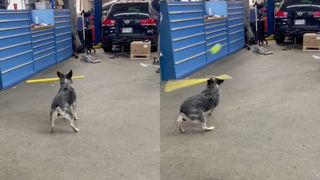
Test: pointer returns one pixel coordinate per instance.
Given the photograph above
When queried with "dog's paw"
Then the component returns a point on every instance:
(76, 129)
(51, 130)
(209, 128)
(181, 129)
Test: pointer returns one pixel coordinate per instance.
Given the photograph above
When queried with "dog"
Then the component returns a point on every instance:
(197, 108)
(64, 103)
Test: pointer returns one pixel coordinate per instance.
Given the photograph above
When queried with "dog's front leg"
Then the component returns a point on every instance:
(204, 124)
(210, 112)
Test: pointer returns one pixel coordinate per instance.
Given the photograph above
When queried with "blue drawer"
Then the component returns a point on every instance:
(185, 53)
(236, 44)
(63, 36)
(216, 31)
(12, 40)
(14, 30)
(235, 27)
(186, 14)
(185, 22)
(235, 5)
(63, 43)
(235, 21)
(236, 14)
(215, 25)
(12, 14)
(186, 31)
(14, 23)
(8, 51)
(61, 18)
(64, 53)
(62, 29)
(236, 34)
(44, 61)
(37, 33)
(48, 49)
(62, 23)
(191, 64)
(187, 41)
(187, 6)
(217, 40)
(43, 45)
(14, 75)
(15, 60)
(61, 12)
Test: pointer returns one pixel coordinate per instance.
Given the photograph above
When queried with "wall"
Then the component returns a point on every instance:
(20, 3)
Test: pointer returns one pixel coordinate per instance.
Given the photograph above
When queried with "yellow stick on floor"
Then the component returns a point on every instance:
(45, 80)
(178, 84)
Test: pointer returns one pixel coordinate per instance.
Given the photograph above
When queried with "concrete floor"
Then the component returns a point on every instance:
(267, 123)
(118, 106)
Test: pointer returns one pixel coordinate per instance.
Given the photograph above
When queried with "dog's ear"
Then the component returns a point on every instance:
(69, 75)
(60, 75)
(219, 81)
(210, 82)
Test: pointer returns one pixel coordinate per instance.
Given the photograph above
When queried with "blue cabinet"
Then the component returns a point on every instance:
(235, 26)
(216, 33)
(63, 36)
(187, 36)
(16, 60)
(43, 48)
(24, 51)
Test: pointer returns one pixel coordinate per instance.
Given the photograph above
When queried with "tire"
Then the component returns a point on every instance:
(154, 48)
(279, 39)
(107, 49)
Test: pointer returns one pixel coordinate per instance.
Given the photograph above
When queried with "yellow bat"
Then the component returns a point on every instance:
(45, 80)
(178, 84)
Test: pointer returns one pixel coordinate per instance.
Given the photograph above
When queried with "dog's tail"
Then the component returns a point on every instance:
(180, 118)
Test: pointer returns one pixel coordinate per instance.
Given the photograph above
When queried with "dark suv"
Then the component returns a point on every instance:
(130, 21)
(296, 17)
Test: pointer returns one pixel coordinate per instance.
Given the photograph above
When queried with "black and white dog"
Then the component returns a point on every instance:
(64, 103)
(197, 108)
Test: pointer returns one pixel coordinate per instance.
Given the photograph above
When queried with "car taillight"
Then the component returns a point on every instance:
(281, 14)
(316, 14)
(108, 22)
(148, 22)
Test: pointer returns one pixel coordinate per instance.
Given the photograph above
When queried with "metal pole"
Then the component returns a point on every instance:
(97, 19)
(270, 16)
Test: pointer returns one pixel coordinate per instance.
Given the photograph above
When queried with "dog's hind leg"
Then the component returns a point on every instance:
(204, 123)
(74, 111)
(53, 116)
(71, 121)
(180, 123)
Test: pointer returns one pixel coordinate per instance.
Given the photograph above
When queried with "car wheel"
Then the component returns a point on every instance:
(154, 48)
(107, 49)
(279, 39)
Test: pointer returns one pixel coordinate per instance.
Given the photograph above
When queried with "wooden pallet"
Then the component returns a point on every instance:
(139, 56)
(311, 48)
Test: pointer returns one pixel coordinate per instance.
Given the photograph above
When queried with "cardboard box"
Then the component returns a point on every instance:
(140, 48)
(311, 39)
(60, 4)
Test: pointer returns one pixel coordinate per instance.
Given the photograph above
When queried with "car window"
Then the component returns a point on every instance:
(129, 9)
(300, 2)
